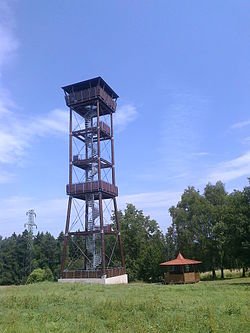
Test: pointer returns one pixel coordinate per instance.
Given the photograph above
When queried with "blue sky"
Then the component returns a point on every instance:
(181, 69)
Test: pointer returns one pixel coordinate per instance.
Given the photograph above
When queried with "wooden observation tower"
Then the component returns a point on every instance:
(92, 249)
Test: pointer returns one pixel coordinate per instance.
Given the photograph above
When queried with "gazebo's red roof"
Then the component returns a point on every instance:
(180, 260)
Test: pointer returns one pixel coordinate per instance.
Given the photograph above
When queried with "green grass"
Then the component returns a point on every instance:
(219, 306)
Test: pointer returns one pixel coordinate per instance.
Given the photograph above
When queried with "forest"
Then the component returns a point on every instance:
(213, 226)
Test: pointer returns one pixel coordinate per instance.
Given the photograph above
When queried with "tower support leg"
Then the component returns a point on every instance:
(65, 242)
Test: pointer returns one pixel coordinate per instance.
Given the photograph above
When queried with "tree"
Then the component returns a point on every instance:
(40, 275)
(143, 245)
(47, 252)
(239, 228)
(216, 197)
(199, 225)
(189, 224)
(24, 253)
(9, 265)
(16, 252)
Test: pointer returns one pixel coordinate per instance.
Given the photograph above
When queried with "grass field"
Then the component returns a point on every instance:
(220, 306)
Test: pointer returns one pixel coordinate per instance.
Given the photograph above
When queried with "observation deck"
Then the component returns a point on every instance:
(82, 96)
(107, 229)
(86, 163)
(105, 132)
(80, 190)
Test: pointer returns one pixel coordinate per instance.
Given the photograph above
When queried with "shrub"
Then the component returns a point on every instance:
(206, 276)
(40, 275)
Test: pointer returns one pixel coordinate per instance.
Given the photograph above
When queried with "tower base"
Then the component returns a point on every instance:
(119, 279)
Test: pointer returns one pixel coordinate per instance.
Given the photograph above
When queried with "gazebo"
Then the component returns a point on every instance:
(181, 270)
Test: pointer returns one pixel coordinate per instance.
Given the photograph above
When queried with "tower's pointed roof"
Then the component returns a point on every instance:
(180, 260)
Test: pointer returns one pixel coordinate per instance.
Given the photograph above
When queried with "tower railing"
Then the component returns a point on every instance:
(76, 97)
(88, 274)
(89, 187)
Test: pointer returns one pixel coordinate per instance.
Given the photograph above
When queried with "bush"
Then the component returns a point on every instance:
(228, 274)
(40, 275)
(206, 276)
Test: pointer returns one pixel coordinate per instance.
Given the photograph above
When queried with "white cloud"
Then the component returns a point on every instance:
(124, 115)
(180, 140)
(17, 136)
(8, 44)
(5, 103)
(241, 124)
(8, 41)
(184, 121)
(246, 140)
(6, 177)
(51, 214)
(155, 204)
(202, 153)
(231, 169)
(11, 147)
(55, 121)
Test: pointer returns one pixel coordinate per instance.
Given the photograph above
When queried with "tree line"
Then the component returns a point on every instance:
(20, 255)
(213, 226)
